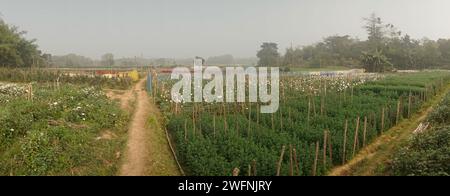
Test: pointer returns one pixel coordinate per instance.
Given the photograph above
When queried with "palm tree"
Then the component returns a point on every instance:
(376, 62)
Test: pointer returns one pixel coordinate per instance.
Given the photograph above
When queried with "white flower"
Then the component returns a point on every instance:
(12, 130)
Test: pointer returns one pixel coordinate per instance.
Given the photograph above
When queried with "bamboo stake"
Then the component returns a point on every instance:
(257, 113)
(309, 109)
(185, 130)
(330, 147)
(198, 114)
(355, 141)
(397, 117)
(382, 119)
(325, 135)
(352, 94)
(289, 115)
(365, 131)
(254, 167)
(225, 124)
(344, 157)
(249, 120)
(314, 106)
(193, 120)
(214, 125)
(322, 105)
(314, 172)
(291, 161)
(273, 123)
(281, 120)
(236, 172)
(297, 169)
(409, 104)
(280, 161)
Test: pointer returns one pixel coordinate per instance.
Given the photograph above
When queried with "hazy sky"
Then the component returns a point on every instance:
(187, 28)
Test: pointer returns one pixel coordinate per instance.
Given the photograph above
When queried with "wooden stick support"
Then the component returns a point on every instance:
(325, 139)
(291, 161)
(365, 131)
(254, 168)
(330, 147)
(214, 125)
(397, 117)
(355, 141)
(409, 104)
(314, 172)
(297, 169)
(344, 146)
(382, 119)
(185, 130)
(309, 109)
(280, 161)
(236, 172)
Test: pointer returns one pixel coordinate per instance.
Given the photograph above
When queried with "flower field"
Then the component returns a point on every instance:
(57, 77)
(70, 130)
(322, 122)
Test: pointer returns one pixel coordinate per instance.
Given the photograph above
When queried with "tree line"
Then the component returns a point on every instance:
(17, 51)
(386, 49)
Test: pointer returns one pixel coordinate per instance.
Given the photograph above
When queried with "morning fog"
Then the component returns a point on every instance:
(260, 85)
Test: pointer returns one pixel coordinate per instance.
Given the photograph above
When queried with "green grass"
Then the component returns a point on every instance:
(162, 160)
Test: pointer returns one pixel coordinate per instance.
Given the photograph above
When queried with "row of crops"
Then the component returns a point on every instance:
(70, 130)
(428, 152)
(58, 77)
(322, 122)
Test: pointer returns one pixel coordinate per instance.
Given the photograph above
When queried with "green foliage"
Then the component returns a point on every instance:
(375, 62)
(428, 153)
(268, 55)
(209, 150)
(60, 132)
(15, 50)
(397, 48)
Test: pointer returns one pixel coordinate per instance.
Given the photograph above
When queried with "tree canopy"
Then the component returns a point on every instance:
(16, 50)
(384, 49)
(268, 55)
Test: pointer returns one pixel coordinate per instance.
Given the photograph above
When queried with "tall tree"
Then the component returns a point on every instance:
(15, 50)
(108, 59)
(268, 55)
(376, 30)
